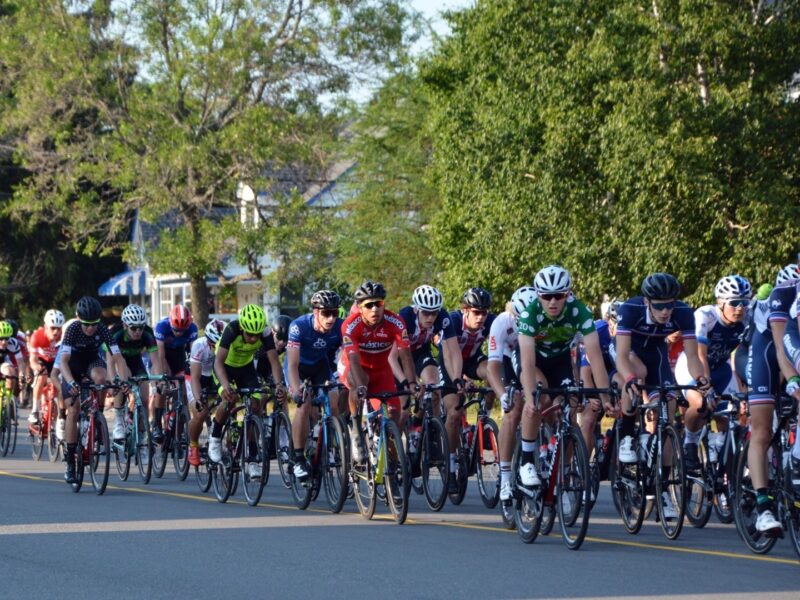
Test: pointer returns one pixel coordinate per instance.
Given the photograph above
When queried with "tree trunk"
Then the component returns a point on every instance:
(200, 298)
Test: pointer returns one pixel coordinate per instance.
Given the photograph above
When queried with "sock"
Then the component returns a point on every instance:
(763, 500)
(505, 471)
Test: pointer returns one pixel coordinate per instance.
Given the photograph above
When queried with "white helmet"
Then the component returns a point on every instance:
(54, 318)
(522, 298)
(733, 287)
(787, 273)
(427, 297)
(214, 330)
(552, 279)
(133, 315)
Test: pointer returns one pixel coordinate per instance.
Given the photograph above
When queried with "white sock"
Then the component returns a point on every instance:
(691, 437)
(453, 464)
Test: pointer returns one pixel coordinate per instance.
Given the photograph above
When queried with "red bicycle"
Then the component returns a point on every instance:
(44, 428)
(94, 449)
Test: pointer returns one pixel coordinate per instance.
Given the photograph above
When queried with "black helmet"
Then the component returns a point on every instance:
(661, 286)
(326, 299)
(477, 297)
(14, 326)
(369, 289)
(281, 327)
(88, 309)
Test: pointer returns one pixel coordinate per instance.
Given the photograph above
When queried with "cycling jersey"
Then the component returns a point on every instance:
(469, 342)
(41, 346)
(423, 338)
(130, 348)
(720, 339)
(634, 321)
(372, 344)
(79, 345)
(314, 346)
(240, 352)
(503, 337)
(12, 353)
(607, 347)
(164, 334)
(202, 354)
(554, 336)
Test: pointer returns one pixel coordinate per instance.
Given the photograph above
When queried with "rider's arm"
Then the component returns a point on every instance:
(219, 367)
(162, 357)
(394, 363)
(591, 346)
(527, 352)
(275, 365)
(624, 365)
(293, 369)
(778, 328)
(195, 372)
(155, 363)
(357, 371)
(407, 362)
(453, 361)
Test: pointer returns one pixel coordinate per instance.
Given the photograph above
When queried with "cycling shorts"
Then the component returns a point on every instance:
(423, 358)
(135, 365)
(470, 369)
(722, 378)
(655, 358)
(557, 370)
(176, 359)
(763, 373)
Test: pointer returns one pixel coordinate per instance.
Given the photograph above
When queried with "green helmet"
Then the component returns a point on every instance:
(6, 330)
(252, 319)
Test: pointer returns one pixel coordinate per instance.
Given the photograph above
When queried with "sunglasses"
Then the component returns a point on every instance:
(549, 297)
(479, 312)
(90, 323)
(736, 303)
(660, 306)
(136, 328)
(373, 304)
(328, 313)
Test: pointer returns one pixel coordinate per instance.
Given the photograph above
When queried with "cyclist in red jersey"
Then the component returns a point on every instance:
(43, 350)
(367, 339)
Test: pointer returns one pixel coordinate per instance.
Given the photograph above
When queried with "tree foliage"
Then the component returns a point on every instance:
(617, 139)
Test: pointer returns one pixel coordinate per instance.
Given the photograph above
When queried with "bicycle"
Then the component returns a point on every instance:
(779, 465)
(44, 427)
(203, 472)
(566, 480)
(632, 483)
(244, 451)
(326, 453)
(138, 440)
(93, 449)
(384, 472)
(712, 486)
(176, 430)
(8, 417)
(478, 451)
(428, 452)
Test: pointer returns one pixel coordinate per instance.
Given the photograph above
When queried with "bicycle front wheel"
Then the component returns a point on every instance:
(13, 418)
(363, 479)
(161, 454)
(574, 489)
(671, 483)
(53, 445)
(335, 461)
(628, 490)
(37, 439)
(284, 449)
(180, 444)
(99, 454)
(700, 489)
(396, 478)
(223, 473)
(202, 472)
(744, 505)
(254, 457)
(528, 503)
(144, 445)
(79, 466)
(435, 462)
(487, 461)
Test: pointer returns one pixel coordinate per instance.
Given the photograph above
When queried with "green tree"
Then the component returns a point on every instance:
(615, 138)
(178, 101)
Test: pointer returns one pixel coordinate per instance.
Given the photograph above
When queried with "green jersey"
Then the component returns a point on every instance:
(554, 336)
(240, 352)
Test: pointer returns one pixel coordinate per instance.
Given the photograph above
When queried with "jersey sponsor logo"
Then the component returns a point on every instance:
(404, 335)
(396, 321)
(320, 343)
(445, 322)
(492, 344)
(775, 303)
(294, 330)
(347, 340)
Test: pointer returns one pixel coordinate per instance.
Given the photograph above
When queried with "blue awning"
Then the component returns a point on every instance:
(129, 283)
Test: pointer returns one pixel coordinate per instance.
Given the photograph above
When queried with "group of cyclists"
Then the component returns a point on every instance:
(545, 337)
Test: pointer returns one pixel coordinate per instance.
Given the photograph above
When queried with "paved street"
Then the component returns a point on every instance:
(167, 539)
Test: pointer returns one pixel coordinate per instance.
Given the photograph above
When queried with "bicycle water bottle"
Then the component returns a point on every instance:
(715, 440)
(644, 441)
(312, 445)
(84, 431)
(171, 421)
(413, 440)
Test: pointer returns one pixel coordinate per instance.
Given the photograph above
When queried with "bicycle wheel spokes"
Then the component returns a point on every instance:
(53, 445)
(335, 461)
(628, 491)
(254, 457)
(699, 489)
(528, 505)
(223, 474)
(435, 462)
(574, 488)
(180, 443)
(144, 445)
(202, 472)
(396, 477)
(363, 480)
(284, 449)
(488, 463)
(37, 439)
(671, 484)
(100, 454)
(744, 506)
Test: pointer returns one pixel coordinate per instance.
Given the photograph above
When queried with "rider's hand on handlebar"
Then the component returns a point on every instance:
(361, 391)
(228, 394)
(632, 386)
(703, 384)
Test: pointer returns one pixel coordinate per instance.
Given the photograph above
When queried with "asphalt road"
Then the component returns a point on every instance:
(167, 539)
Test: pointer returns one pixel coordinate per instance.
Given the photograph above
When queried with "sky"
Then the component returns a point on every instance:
(432, 10)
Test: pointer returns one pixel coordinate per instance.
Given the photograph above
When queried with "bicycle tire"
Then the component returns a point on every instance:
(413, 457)
(744, 506)
(675, 486)
(724, 492)
(5, 428)
(700, 490)
(574, 484)
(203, 472)
(793, 525)
(396, 476)
(99, 455)
(284, 447)
(79, 466)
(435, 457)
(180, 444)
(53, 444)
(223, 473)
(487, 464)
(161, 454)
(462, 475)
(253, 487)
(37, 439)
(144, 445)
(335, 461)
(528, 504)
(14, 417)
(122, 457)
(362, 477)
(628, 490)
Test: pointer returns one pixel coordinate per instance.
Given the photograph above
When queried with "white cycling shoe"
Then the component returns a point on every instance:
(214, 449)
(505, 491)
(528, 475)
(627, 454)
(766, 521)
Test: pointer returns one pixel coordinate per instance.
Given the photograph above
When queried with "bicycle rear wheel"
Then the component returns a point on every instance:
(53, 445)
(37, 439)
(284, 448)
(122, 457)
(628, 491)
(462, 474)
(334, 463)
(362, 477)
(700, 489)
(144, 445)
(99, 454)
(723, 490)
(254, 452)
(202, 472)
(487, 461)
(13, 418)
(161, 454)
(793, 523)
(574, 489)
(672, 480)
(528, 504)
(396, 478)
(79, 466)
(180, 444)
(414, 461)
(435, 457)
(223, 474)
(744, 505)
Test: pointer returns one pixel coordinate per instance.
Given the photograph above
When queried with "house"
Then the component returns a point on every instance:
(158, 292)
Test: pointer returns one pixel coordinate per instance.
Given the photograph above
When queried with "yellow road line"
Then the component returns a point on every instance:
(417, 522)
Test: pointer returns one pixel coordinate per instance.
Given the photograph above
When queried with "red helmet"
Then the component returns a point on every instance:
(179, 317)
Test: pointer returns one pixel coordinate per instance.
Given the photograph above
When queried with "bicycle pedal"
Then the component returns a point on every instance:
(775, 533)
